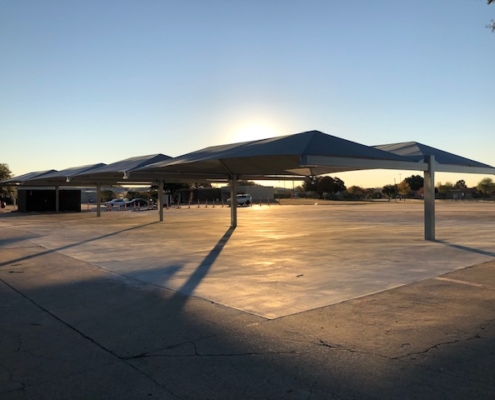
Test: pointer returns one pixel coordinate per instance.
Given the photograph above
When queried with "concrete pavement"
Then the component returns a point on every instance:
(302, 302)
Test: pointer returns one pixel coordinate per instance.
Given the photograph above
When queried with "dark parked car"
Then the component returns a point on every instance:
(137, 202)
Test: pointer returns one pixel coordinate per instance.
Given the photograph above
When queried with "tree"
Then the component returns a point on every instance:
(491, 25)
(415, 182)
(486, 186)
(461, 184)
(371, 193)
(168, 188)
(323, 184)
(404, 189)
(339, 185)
(444, 189)
(356, 192)
(240, 182)
(389, 191)
(201, 185)
(107, 195)
(309, 184)
(247, 183)
(131, 194)
(6, 173)
(326, 184)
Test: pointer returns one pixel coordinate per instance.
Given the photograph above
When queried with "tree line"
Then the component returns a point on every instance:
(327, 187)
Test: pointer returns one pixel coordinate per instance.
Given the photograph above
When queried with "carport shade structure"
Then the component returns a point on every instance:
(284, 157)
(116, 172)
(293, 156)
(95, 174)
(59, 178)
(22, 179)
(434, 160)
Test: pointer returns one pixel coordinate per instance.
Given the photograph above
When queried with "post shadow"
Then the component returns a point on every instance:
(202, 270)
(466, 248)
(3, 264)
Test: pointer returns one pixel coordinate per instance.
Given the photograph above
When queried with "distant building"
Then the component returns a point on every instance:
(219, 195)
(39, 199)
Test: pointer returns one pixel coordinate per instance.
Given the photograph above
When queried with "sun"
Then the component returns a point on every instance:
(253, 132)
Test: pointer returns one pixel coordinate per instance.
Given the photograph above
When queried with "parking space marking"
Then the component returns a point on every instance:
(480, 285)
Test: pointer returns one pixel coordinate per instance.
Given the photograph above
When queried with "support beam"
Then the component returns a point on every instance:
(57, 198)
(429, 198)
(98, 199)
(233, 202)
(160, 200)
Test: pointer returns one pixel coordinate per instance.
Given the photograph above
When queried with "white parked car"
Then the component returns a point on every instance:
(242, 200)
(116, 203)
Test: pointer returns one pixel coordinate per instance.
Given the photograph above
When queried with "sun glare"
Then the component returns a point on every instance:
(253, 132)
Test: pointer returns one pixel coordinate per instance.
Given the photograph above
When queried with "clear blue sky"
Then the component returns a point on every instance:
(99, 81)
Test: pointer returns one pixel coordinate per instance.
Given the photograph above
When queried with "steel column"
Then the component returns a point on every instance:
(233, 202)
(160, 200)
(429, 198)
(57, 199)
(98, 199)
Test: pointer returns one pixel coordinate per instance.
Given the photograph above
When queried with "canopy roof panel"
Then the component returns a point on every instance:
(63, 176)
(298, 155)
(445, 161)
(129, 164)
(117, 171)
(284, 157)
(26, 177)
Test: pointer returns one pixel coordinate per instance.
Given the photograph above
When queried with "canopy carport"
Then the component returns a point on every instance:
(285, 157)
(434, 160)
(282, 158)
(94, 175)
(60, 178)
(22, 179)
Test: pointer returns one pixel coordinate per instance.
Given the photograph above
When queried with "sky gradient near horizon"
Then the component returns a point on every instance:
(89, 82)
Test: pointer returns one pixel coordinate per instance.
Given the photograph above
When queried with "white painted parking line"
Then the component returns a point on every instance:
(480, 285)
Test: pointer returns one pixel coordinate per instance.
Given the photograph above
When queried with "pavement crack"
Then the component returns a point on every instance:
(317, 379)
(59, 319)
(437, 346)
(10, 374)
(322, 343)
(247, 354)
(87, 337)
(487, 324)
(173, 346)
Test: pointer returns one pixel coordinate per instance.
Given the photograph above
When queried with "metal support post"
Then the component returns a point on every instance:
(57, 199)
(160, 200)
(98, 199)
(429, 198)
(233, 202)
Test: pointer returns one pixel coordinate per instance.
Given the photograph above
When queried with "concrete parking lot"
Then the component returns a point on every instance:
(303, 302)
